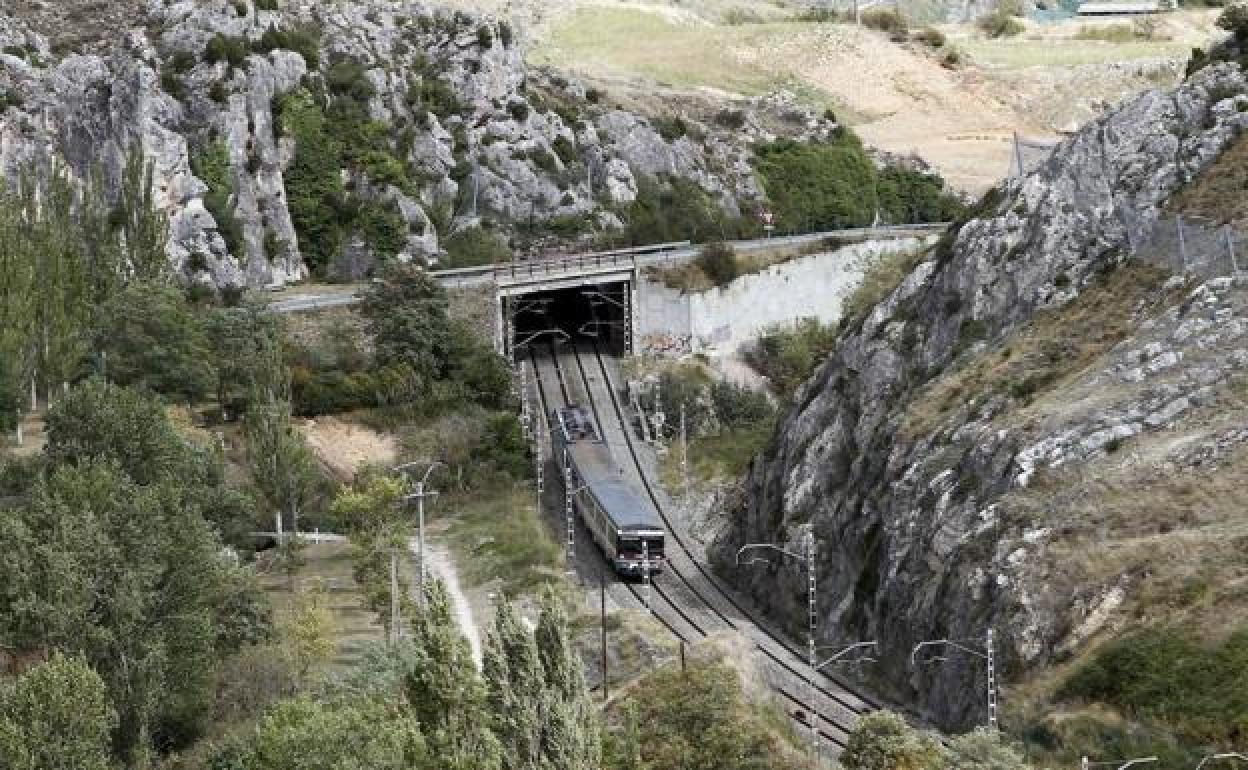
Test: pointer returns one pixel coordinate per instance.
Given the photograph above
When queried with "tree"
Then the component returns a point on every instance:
(246, 351)
(406, 312)
(147, 336)
(515, 687)
(308, 735)
(308, 631)
(445, 690)
(883, 741)
(100, 420)
(571, 740)
(144, 230)
(128, 576)
(57, 716)
(282, 466)
(984, 749)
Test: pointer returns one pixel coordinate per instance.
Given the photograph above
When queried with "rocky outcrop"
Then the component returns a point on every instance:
(461, 133)
(910, 454)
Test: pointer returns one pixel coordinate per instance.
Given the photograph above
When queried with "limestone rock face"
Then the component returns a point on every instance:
(915, 525)
(478, 138)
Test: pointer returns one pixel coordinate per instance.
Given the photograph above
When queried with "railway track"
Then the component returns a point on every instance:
(685, 600)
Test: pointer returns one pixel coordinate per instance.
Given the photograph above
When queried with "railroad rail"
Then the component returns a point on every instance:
(687, 601)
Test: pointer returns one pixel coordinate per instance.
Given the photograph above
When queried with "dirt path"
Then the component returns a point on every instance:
(441, 565)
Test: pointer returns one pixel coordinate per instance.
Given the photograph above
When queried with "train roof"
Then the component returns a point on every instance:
(626, 505)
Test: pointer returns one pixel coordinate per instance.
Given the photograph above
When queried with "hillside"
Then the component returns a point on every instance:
(1040, 431)
(290, 139)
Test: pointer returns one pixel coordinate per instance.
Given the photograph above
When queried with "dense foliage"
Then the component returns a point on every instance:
(110, 555)
(718, 261)
(694, 720)
(674, 209)
(1138, 674)
(833, 184)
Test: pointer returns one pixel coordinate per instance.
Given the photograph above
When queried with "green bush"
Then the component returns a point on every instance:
(314, 190)
(676, 209)
(731, 119)
(788, 356)
(475, 246)
(718, 261)
(817, 186)
(220, 48)
(212, 165)
(304, 40)
(914, 196)
(348, 78)
(931, 36)
(670, 127)
(485, 36)
(1198, 690)
(566, 150)
(383, 228)
(266, 5)
(1000, 24)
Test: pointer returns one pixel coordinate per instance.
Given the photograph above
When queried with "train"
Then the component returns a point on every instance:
(625, 525)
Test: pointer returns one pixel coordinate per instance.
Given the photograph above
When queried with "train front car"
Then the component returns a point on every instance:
(625, 526)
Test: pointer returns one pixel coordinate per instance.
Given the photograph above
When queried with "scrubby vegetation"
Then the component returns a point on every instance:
(678, 209)
(788, 356)
(475, 246)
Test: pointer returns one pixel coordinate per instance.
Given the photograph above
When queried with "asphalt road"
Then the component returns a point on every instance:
(479, 276)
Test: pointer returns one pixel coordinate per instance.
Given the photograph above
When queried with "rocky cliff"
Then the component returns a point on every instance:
(287, 135)
(1037, 432)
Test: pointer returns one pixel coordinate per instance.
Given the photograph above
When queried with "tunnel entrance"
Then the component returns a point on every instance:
(601, 312)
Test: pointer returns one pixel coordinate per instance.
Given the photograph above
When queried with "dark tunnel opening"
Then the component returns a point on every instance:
(576, 314)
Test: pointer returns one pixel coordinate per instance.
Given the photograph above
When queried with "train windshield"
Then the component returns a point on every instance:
(630, 545)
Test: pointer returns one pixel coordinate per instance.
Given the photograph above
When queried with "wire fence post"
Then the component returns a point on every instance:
(602, 615)
(810, 641)
(684, 457)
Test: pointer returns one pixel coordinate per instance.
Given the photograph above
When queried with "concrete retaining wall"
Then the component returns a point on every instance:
(721, 321)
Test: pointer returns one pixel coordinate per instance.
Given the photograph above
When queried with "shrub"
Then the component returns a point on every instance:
(719, 262)
(383, 228)
(211, 164)
(883, 741)
(519, 111)
(304, 40)
(348, 78)
(1000, 24)
(1234, 19)
(475, 246)
(732, 119)
(931, 36)
(676, 209)
(227, 49)
(671, 127)
(595, 95)
(789, 356)
(566, 150)
(505, 34)
(485, 36)
(182, 62)
(266, 5)
(817, 186)
(886, 20)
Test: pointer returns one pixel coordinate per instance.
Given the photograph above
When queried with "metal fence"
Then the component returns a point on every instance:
(1192, 245)
(1028, 154)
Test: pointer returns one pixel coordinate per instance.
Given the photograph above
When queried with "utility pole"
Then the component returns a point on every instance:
(810, 641)
(567, 512)
(645, 570)
(602, 617)
(419, 496)
(684, 457)
(989, 656)
(1230, 249)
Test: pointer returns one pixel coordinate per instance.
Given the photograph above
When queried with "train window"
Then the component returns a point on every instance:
(655, 545)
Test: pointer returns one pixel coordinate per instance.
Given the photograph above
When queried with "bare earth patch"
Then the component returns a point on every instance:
(346, 447)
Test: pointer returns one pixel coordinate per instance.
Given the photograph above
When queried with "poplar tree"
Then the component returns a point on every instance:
(282, 466)
(572, 740)
(516, 689)
(445, 689)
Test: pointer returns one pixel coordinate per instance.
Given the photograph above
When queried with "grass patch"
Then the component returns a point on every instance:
(1217, 194)
(882, 277)
(498, 534)
(327, 567)
(1055, 345)
(1019, 53)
